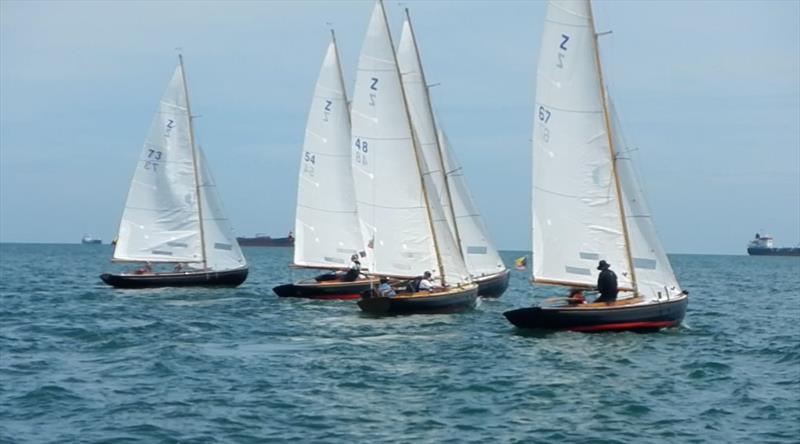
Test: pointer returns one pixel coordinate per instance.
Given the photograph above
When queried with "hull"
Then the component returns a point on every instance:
(493, 286)
(330, 290)
(602, 317)
(265, 241)
(451, 301)
(762, 251)
(229, 278)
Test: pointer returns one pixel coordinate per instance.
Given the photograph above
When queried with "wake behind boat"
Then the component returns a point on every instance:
(173, 216)
(588, 202)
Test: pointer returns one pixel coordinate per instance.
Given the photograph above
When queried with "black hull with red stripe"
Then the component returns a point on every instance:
(228, 278)
(637, 317)
(326, 290)
(493, 286)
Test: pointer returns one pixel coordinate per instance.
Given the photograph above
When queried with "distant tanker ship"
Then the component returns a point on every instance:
(260, 240)
(762, 246)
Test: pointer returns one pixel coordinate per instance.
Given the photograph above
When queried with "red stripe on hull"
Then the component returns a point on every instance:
(625, 326)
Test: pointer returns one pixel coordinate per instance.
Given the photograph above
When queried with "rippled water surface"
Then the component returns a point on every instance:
(82, 362)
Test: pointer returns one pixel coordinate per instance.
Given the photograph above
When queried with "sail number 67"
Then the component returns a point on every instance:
(544, 114)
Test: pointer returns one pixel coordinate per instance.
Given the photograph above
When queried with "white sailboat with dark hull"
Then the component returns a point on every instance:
(173, 216)
(397, 206)
(327, 231)
(588, 203)
(449, 185)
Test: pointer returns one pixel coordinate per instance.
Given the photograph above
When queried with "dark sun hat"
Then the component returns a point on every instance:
(602, 265)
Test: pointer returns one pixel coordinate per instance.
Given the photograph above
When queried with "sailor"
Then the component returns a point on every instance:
(385, 289)
(425, 283)
(606, 283)
(354, 271)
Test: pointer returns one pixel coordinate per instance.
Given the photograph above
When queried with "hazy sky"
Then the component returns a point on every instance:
(708, 91)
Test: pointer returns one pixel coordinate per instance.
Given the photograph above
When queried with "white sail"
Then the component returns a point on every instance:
(441, 192)
(576, 213)
(479, 253)
(222, 249)
(161, 222)
(392, 206)
(327, 229)
(654, 276)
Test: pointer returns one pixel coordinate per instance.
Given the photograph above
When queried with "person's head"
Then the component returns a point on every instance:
(603, 265)
(427, 275)
(354, 258)
(384, 280)
(575, 292)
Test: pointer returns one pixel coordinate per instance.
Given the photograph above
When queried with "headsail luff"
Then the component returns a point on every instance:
(327, 230)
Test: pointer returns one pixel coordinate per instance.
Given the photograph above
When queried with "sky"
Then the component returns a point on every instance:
(708, 92)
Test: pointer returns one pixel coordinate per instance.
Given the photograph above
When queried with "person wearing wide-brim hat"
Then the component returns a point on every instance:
(606, 283)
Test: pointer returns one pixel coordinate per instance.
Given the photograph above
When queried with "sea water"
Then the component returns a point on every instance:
(83, 362)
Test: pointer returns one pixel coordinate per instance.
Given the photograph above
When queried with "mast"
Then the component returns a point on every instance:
(436, 136)
(341, 75)
(613, 151)
(194, 165)
(416, 148)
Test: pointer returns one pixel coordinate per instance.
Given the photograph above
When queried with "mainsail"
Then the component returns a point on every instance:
(400, 220)
(587, 202)
(171, 188)
(327, 230)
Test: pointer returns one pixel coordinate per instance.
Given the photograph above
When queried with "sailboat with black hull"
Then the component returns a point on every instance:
(449, 185)
(173, 215)
(327, 231)
(397, 208)
(588, 203)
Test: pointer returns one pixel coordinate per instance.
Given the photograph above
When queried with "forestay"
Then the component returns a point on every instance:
(160, 222)
(422, 119)
(576, 213)
(327, 229)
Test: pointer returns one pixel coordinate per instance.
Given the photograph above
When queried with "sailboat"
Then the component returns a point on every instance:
(482, 259)
(405, 225)
(327, 230)
(588, 203)
(173, 215)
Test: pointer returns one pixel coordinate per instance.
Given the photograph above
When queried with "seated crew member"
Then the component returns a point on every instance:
(425, 283)
(385, 289)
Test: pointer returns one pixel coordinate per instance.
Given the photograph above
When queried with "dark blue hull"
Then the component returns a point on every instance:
(229, 278)
(336, 290)
(785, 251)
(638, 317)
(493, 286)
(421, 303)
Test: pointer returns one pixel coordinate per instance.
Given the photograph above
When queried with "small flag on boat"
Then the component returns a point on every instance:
(521, 262)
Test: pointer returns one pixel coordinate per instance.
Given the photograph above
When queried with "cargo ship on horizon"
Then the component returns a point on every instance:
(262, 240)
(763, 246)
